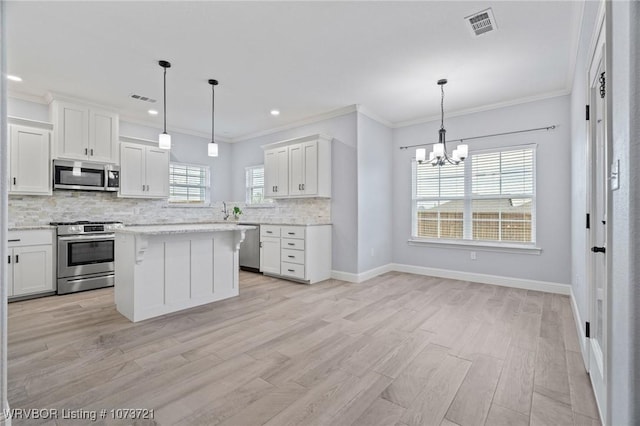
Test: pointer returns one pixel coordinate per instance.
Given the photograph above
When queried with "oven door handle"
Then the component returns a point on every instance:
(88, 237)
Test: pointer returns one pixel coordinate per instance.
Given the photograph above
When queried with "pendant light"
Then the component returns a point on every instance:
(164, 139)
(212, 147)
(439, 155)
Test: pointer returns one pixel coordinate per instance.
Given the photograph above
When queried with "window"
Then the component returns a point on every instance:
(254, 178)
(489, 198)
(188, 184)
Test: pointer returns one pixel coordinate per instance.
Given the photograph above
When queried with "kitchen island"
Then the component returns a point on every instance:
(167, 268)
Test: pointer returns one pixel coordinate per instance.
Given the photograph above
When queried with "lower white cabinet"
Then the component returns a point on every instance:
(30, 259)
(299, 253)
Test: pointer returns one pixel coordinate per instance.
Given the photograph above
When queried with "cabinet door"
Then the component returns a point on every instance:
(30, 161)
(282, 184)
(132, 170)
(103, 135)
(10, 273)
(270, 255)
(310, 170)
(32, 270)
(296, 169)
(270, 172)
(157, 172)
(72, 131)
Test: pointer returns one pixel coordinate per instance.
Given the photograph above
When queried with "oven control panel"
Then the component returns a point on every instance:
(93, 228)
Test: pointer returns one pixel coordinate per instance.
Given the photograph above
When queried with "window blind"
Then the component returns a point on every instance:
(254, 184)
(188, 183)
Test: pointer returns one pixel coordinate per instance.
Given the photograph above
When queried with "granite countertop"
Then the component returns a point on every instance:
(240, 222)
(182, 228)
(30, 227)
(286, 223)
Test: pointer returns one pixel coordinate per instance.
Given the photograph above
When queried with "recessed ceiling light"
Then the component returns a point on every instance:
(275, 112)
(13, 77)
(153, 112)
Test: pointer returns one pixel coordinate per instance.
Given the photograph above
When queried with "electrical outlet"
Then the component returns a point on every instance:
(473, 255)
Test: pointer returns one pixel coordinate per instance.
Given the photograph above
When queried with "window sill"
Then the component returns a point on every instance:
(260, 206)
(477, 245)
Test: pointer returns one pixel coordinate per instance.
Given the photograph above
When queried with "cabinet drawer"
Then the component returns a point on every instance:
(293, 232)
(292, 270)
(269, 231)
(288, 243)
(30, 238)
(293, 256)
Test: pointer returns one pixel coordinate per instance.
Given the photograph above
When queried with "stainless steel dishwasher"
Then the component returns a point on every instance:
(250, 249)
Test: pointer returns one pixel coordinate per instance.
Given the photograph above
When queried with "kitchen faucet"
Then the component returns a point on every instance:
(225, 211)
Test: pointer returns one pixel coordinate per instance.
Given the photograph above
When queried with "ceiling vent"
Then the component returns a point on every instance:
(481, 22)
(143, 98)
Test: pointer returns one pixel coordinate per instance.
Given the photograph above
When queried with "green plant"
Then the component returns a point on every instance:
(236, 211)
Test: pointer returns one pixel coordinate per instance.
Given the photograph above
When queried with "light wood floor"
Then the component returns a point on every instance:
(398, 349)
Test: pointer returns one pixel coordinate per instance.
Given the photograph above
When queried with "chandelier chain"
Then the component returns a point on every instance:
(442, 107)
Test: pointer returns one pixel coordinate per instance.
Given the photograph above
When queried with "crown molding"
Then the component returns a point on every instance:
(498, 105)
(28, 122)
(309, 120)
(575, 47)
(375, 117)
(27, 97)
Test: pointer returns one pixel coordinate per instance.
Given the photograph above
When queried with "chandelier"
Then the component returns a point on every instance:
(439, 155)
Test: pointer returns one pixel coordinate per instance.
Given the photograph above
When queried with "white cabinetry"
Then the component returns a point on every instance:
(307, 172)
(84, 132)
(30, 161)
(276, 172)
(300, 253)
(144, 171)
(30, 259)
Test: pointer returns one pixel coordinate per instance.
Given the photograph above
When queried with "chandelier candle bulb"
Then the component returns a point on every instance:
(456, 155)
(438, 150)
(421, 155)
(463, 151)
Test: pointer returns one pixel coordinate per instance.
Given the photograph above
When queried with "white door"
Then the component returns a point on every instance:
(29, 161)
(270, 255)
(310, 155)
(282, 157)
(103, 128)
(296, 169)
(132, 170)
(32, 269)
(157, 172)
(73, 131)
(599, 190)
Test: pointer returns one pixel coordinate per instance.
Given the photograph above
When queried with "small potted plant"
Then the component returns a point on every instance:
(236, 212)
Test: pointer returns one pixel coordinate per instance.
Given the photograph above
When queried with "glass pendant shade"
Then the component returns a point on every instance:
(164, 141)
(438, 150)
(421, 155)
(212, 149)
(463, 151)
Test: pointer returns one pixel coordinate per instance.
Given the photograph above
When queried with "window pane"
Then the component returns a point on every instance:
(502, 219)
(188, 184)
(254, 184)
(440, 219)
(445, 181)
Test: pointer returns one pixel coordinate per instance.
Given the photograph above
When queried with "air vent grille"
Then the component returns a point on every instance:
(143, 98)
(482, 22)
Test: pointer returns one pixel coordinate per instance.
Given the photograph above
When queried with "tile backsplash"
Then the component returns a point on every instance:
(28, 210)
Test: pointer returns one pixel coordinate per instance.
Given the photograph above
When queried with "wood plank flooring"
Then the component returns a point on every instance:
(399, 349)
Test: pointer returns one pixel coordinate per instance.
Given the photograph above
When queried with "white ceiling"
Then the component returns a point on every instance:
(304, 58)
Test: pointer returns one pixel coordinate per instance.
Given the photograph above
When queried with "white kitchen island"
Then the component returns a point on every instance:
(167, 268)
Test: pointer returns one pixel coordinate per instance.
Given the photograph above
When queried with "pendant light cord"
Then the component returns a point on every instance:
(165, 99)
(442, 107)
(213, 106)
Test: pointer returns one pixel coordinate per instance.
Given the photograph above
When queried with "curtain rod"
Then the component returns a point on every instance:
(485, 136)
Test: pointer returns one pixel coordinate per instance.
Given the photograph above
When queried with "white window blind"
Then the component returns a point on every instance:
(490, 197)
(188, 184)
(254, 183)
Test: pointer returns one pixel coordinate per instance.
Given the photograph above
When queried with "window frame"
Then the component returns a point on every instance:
(207, 187)
(467, 241)
(249, 189)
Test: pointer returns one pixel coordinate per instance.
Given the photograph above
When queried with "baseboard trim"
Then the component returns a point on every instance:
(362, 276)
(584, 342)
(547, 287)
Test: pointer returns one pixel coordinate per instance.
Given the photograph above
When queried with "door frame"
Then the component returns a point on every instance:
(598, 51)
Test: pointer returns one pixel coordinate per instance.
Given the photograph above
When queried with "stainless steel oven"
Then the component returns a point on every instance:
(86, 255)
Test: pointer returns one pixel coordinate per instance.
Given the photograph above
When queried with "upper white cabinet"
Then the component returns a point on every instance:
(84, 132)
(303, 165)
(144, 171)
(30, 163)
(276, 172)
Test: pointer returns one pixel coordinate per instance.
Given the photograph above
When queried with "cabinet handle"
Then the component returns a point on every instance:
(17, 258)
(9, 258)
(14, 181)
(292, 233)
(291, 270)
(291, 244)
(86, 151)
(15, 240)
(276, 188)
(92, 152)
(269, 232)
(143, 187)
(303, 186)
(290, 256)
(147, 188)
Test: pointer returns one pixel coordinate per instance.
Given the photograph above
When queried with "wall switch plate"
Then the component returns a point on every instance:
(615, 175)
(473, 255)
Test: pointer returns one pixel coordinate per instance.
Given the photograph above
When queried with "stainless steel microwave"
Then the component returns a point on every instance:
(85, 176)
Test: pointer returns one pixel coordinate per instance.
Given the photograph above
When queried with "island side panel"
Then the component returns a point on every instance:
(149, 281)
(225, 275)
(124, 264)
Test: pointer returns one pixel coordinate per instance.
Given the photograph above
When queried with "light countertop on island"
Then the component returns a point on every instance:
(183, 228)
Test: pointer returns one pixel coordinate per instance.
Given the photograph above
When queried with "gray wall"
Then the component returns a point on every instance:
(579, 143)
(553, 191)
(344, 198)
(375, 184)
(4, 161)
